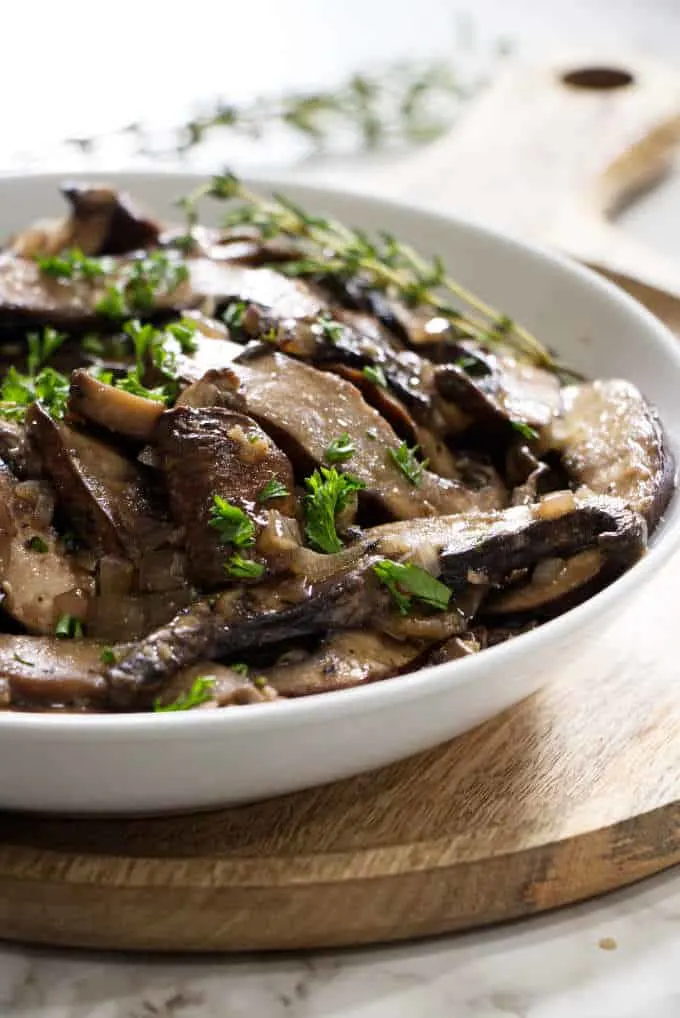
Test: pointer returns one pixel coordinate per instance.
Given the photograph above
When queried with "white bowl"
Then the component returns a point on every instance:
(177, 761)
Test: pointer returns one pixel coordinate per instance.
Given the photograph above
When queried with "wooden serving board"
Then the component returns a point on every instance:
(572, 793)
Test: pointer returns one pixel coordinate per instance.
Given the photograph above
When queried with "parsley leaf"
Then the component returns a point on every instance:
(239, 667)
(272, 489)
(107, 656)
(72, 264)
(340, 449)
(234, 313)
(200, 692)
(374, 373)
(405, 459)
(244, 568)
(525, 430)
(406, 582)
(328, 494)
(329, 328)
(233, 525)
(18, 391)
(36, 543)
(41, 348)
(68, 627)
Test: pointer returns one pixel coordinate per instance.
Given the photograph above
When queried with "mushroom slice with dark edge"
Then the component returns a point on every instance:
(209, 684)
(341, 660)
(612, 442)
(500, 390)
(474, 550)
(39, 580)
(555, 585)
(110, 499)
(238, 619)
(214, 453)
(102, 221)
(29, 296)
(305, 410)
(43, 673)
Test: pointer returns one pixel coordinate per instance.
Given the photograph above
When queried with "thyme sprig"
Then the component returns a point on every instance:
(328, 247)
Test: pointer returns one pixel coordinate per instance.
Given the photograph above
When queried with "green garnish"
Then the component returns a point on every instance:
(68, 627)
(36, 543)
(159, 349)
(374, 373)
(328, 494)
(107, 656)
(200, 692)
(184, 331)
(407, 582)
(372, 434)
(132, 384)
(260, 682)
(340, 449)
(234, 313)
(330, 329)
(41, 348)
(22, 660)
(525, 430)
(244, 568)
(17, 392)
(383, 262)
(239, 667)
(93, 344)
(72, 264)
(112, 304)
(272, 489)
(142, 280)
(233, 525)
(405, 459)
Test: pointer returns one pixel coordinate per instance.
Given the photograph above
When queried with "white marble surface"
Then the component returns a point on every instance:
(615, 958)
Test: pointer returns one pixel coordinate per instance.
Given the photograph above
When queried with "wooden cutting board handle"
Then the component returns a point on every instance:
(552, 150)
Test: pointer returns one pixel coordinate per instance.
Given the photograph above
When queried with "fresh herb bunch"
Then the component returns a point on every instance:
(384, 263)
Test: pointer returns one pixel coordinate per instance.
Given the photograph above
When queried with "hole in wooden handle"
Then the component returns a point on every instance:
(598, 78)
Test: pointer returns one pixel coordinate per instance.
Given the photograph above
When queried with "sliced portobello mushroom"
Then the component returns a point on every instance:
(499, 390)
(341, 660)
(102, 221)
(612, 442)
(45, 673)
(111, 500)
(222, 686)
(555, 585)
(211, 453)
(305, 410)
(39, 580)
(234, 621)
(29, 296)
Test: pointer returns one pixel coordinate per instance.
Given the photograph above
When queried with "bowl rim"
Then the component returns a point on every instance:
(332, 705)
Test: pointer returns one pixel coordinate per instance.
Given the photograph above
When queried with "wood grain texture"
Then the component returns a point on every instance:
(572, 793)
(554, 163)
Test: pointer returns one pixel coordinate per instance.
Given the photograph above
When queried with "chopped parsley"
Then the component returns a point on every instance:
(374, 373)
(406, 461)
(244, 568)
(48, 387)
(72, 264)
(68, 627)
(233, 525)
(272, 489)
(142, 280)
(200, 692)
(328, 494)
(108, 656)
(407, 582)
(329, 328)
(525, 430)
(239, 667)
(234, 314)
(36, 543)
(157, 348)
(41, 348)
(340, 449)
(22, 660)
